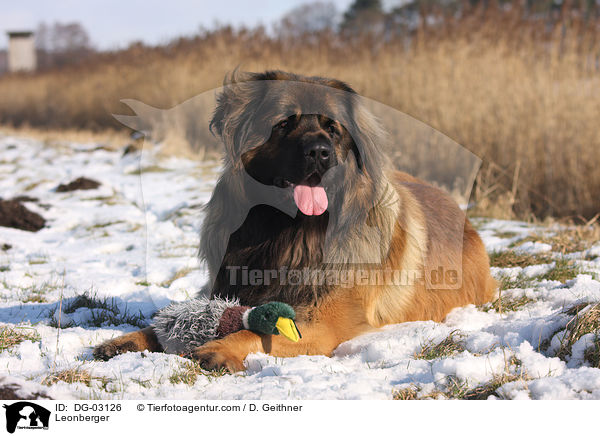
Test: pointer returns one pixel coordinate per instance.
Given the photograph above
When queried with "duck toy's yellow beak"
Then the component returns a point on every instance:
(287, 327)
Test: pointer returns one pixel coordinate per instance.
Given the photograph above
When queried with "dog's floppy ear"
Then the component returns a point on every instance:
(217, 121)
(232, 120)
(368, 137)
(226, 98)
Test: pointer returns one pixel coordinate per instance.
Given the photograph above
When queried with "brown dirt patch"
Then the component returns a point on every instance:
(10, 391)
(25, 198)
(14, 214)
(80, 183)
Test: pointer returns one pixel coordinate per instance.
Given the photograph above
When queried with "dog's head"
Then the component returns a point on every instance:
(301, 134)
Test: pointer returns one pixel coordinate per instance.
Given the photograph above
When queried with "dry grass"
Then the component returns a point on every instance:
(507, 304)
(450, 345)
(75, 375)
(179, 274)
(109, 138)
(570, 240)
(410, 393)
(585, 319)
(510, 258)
(518, 282)
(68, 376)
(592, 354)
(521, 95)
(458, 389)
(485, 390)
(563, 270)
(189, 372)
(9, 337)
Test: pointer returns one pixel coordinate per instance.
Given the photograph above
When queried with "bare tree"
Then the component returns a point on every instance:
(61, 44)
(308, 19)
(364, 17)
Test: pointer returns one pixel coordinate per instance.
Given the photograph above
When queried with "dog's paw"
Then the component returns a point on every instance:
(111, 348)
(214, 356)
(141, 340)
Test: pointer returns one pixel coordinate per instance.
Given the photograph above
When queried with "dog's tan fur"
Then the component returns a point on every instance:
(425, 229)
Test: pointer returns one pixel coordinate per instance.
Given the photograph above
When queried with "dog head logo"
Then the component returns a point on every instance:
(26, 415)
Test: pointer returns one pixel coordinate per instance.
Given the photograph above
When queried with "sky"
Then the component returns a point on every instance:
(114, 24)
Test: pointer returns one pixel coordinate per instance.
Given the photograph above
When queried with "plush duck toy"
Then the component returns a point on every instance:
(181, 327)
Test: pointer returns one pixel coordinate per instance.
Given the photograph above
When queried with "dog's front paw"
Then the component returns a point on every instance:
(110, 349)
(215, 356)
(141, 340)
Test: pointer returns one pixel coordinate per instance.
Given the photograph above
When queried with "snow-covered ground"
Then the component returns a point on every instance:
(133, 250)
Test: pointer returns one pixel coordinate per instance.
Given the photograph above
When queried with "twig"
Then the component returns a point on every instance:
(515, 183)
(59, 319)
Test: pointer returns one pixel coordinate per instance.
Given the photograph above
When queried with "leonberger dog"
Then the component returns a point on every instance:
(306, 190)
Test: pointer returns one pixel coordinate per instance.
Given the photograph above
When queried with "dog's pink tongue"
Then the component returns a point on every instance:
(311, 200)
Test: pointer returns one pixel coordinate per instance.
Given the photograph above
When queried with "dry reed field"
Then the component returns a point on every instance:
(522, 95)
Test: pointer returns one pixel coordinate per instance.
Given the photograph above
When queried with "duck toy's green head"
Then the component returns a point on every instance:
(272, 318)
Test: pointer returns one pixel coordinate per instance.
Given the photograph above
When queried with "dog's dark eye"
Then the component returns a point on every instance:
(282, 124)
(331, 128)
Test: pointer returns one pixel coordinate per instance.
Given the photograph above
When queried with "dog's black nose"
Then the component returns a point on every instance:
(321, 153)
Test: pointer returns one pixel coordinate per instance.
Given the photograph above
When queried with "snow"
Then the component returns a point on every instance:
(133, 241)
